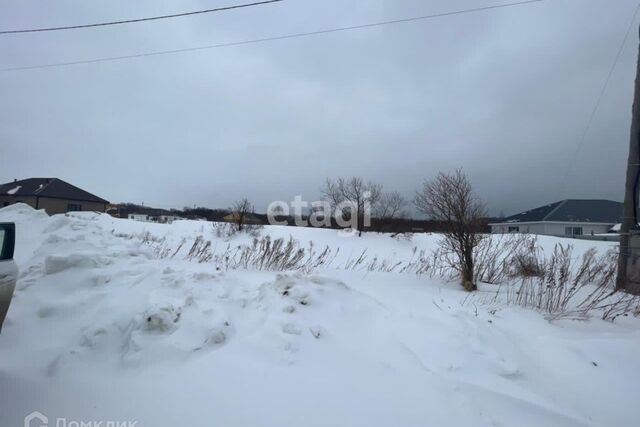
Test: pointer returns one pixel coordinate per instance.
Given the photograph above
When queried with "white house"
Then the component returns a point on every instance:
(571, 217)
(168, 219)
(139, 217)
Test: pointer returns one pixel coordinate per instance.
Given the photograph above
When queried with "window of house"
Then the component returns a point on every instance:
(72, 207)
(573, 231)
(514, 229)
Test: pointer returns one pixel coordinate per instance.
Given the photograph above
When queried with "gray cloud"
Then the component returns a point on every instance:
(505, 94)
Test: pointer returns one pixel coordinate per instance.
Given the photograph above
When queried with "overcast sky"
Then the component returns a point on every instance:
(505, 94)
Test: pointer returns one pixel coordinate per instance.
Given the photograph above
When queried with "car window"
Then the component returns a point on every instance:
(6, 241)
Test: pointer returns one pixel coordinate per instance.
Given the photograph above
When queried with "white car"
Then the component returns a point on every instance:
(8, 269)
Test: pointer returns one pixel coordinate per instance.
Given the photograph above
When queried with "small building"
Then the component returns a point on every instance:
(571, 217)
(51, 194)
(248, 218)
(168, 219)
(139, 217)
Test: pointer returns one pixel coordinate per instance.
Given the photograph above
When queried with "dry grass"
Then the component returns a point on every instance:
(573, 287)
(558, 284)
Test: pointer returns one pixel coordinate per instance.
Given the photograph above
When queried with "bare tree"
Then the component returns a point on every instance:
(391, 205)
(360, 195)
(449, 198)
(240, 211)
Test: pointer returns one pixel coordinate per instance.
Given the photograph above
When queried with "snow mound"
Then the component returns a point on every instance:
(57, 263)
(21, 211)
(105, 304)
(304, 290)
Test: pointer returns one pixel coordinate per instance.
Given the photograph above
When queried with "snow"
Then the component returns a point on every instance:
(14, 190)
(102, 328)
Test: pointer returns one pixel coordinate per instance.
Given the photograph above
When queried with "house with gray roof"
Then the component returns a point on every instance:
(571, 217)
(51, 194)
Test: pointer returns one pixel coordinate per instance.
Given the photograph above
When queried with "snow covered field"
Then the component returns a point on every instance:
(106, 324)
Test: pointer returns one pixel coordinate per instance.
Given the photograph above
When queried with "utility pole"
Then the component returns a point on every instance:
(629, 260)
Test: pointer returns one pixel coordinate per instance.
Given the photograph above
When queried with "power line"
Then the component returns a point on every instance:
(603, 90)
(267, 39)
(129, 21)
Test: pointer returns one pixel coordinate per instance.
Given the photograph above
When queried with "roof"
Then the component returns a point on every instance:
(48, 187)
(572, 210)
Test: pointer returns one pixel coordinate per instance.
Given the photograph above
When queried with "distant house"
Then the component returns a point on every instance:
(51, 194)
(571, 217)
(139, 217)
(248, 218)
(167, 219)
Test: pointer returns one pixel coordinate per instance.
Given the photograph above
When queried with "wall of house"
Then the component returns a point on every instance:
(558, 229)
(534, 228)
(9, 200)
(499, 229)
(52, 206)
(552, 229)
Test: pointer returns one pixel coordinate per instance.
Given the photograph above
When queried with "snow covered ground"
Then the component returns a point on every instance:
(107, 325)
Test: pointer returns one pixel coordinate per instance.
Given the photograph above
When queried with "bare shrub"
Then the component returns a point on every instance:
(240, 211)
(420, 263)
(225, 231)
(526, 265)
(262, 254)
(278, 255)
(449, 198)
(567, 289)
(525, 257)
(253, 230)
(503, 257)
(200, 250)
(390, 206)
(360, 194)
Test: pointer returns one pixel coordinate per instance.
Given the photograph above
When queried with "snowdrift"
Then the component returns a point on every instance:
(112, 320)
